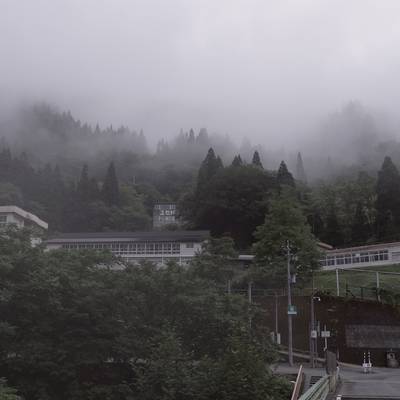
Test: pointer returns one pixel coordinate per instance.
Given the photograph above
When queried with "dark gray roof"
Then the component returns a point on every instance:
(138, 236)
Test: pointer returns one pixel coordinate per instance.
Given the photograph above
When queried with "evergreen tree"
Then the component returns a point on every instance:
(300, 172)
(110, 189)
(208, 168)
(332, 234)
(237, 161)
(284, 177)
(388, 199)
(83, 184)
(192, 137)
(202, 137)
(284, 223)
(360, 230)
(256, 160)
(94, 193)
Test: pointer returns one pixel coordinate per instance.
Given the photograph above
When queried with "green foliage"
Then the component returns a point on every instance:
(388, 200)
(216, 262)
(284, 222)
(234, 202)
(110, 189)
(6, 392)
(237, 161)
(333, 209)
(208, 168)
(244, 374)
(256, 161)
(284, 177)
(10, 194)
(300, 171)
(332, 233)
(360, 228)
(74, 327)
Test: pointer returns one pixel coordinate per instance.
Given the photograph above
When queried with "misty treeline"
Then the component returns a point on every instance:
(80, 178)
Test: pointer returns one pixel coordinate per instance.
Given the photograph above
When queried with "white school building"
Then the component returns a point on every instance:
(13, 215)
(155, 246)
(374, 255)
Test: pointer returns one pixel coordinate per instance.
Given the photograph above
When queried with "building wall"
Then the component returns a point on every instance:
(189, 249)
(164, 214)
(11, 218)
(158, 252)
(359, 257)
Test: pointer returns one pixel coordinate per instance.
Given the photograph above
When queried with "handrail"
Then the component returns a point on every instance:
(318, 391)
(297, 385)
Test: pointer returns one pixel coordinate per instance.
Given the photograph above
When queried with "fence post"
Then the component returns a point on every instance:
(337, 283)
(377, 286)
(249, 291)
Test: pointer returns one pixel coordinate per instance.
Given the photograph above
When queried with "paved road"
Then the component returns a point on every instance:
(381, 383)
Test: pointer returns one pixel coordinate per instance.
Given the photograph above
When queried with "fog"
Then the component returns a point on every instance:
(268, 71)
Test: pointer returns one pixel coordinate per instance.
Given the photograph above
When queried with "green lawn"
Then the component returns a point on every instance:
(359, 283)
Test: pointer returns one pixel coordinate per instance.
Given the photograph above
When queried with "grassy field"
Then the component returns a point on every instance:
(360, 283)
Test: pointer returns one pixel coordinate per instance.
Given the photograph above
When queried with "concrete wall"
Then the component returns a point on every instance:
(336, 313)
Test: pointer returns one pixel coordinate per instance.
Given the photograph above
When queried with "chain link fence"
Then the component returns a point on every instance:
(365, 284)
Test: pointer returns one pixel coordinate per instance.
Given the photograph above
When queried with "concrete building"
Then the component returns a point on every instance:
(374, 255)
(156, 246)
(164, 214)
(13, 215)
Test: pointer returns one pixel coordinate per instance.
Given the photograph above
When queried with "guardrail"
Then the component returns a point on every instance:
(318, 391)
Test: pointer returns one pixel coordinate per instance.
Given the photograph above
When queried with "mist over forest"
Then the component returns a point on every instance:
(208, 176)
(59, 167)
(348, 140)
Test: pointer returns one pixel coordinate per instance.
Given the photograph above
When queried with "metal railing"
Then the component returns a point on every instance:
(318, 391)
(297, 384)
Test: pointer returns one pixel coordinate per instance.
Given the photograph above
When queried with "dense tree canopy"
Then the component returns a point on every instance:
(285, 225)
(388, 200)
(80, 178)
(75, 327)
(234, 202)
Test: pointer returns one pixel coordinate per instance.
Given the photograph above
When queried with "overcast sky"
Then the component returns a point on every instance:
(265, 69)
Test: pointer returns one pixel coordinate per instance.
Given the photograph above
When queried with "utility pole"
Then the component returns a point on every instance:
(312, 330)
(289, 294)
(277, 338)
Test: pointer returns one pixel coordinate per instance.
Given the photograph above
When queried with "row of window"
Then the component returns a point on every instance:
(165, 207)
(355, 258)
(158, 260)
(130, 248)
(166, 218)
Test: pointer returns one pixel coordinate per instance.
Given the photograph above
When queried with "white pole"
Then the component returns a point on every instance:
(337, 283)
(378, 285)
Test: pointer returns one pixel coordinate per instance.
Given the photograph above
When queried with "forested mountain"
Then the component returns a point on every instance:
(80, 178)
